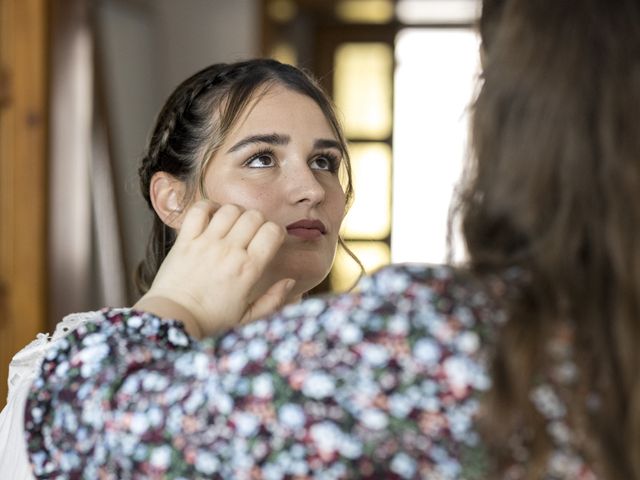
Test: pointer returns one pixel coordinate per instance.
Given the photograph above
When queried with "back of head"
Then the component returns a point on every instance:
(555, 191)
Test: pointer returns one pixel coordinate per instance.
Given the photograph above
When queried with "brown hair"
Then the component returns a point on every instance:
(193, 124)
(554, 190)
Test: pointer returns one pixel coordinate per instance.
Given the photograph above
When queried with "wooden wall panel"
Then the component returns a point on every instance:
(23, 193)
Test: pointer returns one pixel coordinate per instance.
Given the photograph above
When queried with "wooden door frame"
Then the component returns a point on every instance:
(23, 176)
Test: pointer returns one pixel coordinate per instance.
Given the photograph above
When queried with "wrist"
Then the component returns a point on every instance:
(165, 307)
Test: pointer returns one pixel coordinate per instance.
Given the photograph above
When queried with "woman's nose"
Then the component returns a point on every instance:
(304, 187)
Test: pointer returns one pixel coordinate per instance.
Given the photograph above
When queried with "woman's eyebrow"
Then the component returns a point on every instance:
(327, 143)
(271, 139)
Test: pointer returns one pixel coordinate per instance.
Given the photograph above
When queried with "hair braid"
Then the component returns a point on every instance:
(170, 117)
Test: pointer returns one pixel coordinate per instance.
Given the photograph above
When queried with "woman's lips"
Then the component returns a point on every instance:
(307, 229)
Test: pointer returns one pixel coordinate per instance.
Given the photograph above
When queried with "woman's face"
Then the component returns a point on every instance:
(282, 158)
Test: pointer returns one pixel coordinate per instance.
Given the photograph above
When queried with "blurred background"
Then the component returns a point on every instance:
(81, 82)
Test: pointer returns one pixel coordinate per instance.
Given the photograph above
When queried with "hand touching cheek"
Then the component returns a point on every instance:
(209, 279)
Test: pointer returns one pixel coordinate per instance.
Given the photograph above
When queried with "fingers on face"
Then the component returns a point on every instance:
(245, 229)
(224, 221)
(266, 242)
(197, 219)
(239, 227)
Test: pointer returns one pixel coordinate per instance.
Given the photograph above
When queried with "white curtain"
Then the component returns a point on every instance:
(86, 269)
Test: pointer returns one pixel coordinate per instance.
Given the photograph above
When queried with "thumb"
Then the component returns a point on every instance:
(271, 301)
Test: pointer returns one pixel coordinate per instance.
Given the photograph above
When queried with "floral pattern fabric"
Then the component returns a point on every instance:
(382, 383)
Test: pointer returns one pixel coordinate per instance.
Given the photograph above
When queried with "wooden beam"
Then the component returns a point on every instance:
(23, 185)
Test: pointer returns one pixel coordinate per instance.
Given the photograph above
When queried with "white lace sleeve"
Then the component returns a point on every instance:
(24, 364)
(22, 370)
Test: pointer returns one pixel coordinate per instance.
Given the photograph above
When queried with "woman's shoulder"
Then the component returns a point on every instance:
(23, 369)
(415, 295)
(25, 363)
(445, 285)
(397, 277)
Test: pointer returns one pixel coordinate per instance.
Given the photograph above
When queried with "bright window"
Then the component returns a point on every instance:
(435, 76)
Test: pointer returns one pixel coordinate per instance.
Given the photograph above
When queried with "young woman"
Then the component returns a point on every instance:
(523, 365)
(263, 137)
(258, 144)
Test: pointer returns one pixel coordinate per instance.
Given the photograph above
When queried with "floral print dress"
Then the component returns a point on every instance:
(382, 383)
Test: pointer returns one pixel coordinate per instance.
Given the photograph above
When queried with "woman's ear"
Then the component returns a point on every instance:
(167, 197)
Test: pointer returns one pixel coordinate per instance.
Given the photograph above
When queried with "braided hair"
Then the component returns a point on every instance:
(193, 124)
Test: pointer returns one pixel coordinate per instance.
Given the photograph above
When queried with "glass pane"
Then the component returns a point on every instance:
(370, 214)
(285, 53)
(282, 11)
(438, 11)
(365, 11)
(433, 91)
(362, 89)
(346, 271)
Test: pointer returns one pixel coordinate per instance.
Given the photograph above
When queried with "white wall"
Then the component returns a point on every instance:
(196, 33)
(146, 49)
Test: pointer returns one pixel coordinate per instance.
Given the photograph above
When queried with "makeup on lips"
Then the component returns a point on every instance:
(307, 229)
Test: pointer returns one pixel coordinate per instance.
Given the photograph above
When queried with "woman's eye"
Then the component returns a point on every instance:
(323, 163)
(261, 161)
